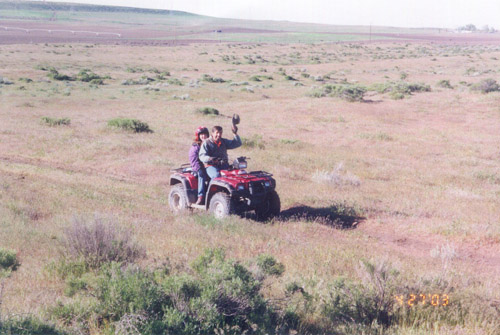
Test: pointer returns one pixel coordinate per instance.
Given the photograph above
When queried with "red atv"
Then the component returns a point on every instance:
(234, 192)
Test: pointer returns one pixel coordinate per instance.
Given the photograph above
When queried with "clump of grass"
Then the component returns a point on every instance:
(338, 177)
(133, 125)
(209, 79)
(347, 92)
(486, 86)
(134, 69)
(207, 111)
(444, 84)
(288, 141)
(100, 241)
(56, 122)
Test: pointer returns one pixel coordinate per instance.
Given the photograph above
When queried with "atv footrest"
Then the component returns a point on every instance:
(198, 206)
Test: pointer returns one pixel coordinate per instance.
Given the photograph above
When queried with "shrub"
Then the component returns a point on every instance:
(363, 303)
(208, 78)
(56, 122)
(5, 81)
(269, 265)
(27, 326)
(260, 78)
(174, 81)
(486, 86)
(444, 84)
(399, 90)
(25, 80)
(87, 75)
(133, 125)
(100, 241)
(207, 111)
(8, 261)
(347, 92)
(217, 296)
(54, 74)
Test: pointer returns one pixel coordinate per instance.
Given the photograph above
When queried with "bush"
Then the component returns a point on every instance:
(210, 79)
(207, 111)
(55, 122)
(87, 75)
(174, 81)
(269, 265)
(27, 326)
(54, 74)
(260, 78)
(486, 86)
(133, 125)
(8, 261)
(99, 241)
(217, 296)
(444, 84)
(399, 90)
(363, 303)
(5, 81)
(347, 92)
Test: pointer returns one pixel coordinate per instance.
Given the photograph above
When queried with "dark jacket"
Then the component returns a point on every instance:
(210, 150)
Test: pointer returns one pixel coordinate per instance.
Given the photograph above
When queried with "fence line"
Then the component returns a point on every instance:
(50, 31)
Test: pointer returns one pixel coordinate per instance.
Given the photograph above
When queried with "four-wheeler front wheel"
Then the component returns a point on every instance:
(221, 205)
(270, 207)
(177, 198)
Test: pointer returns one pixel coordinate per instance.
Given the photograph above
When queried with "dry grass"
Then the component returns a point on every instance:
(422, 172)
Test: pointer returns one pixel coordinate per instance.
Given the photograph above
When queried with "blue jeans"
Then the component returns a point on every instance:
(202, 178)
(213, 172)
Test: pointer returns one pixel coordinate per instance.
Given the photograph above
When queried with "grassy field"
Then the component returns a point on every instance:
(401, 173)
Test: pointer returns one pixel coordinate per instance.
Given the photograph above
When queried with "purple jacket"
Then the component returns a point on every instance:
(196, 165)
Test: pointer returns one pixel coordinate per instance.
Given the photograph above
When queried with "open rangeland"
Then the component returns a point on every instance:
(395, 173)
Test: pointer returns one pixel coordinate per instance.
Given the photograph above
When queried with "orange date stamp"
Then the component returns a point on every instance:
(412, 300)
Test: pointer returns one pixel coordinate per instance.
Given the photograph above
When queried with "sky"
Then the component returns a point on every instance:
(397, 13)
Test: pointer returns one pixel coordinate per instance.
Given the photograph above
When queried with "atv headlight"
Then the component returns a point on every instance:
(242, 165)
(240, 187)
(267, 184)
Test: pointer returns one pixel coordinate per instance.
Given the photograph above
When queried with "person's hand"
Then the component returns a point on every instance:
(235, 129)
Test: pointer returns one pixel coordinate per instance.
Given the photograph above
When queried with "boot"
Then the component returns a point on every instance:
(199, 201)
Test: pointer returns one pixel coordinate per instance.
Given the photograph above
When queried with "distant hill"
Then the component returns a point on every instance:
(73, 7)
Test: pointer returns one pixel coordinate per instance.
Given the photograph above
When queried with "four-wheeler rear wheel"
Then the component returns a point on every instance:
(221, 205)
(177, 198)
(270, 207)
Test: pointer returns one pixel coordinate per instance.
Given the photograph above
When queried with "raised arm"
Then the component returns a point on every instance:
(234, 143)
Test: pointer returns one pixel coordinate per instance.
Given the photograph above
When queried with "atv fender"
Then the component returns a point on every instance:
(218, 186)
(179, 179)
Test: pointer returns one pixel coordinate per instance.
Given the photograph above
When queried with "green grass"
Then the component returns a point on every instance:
(283, 37)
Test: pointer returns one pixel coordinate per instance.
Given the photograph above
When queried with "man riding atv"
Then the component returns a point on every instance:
(231, 190)
(213, 152)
